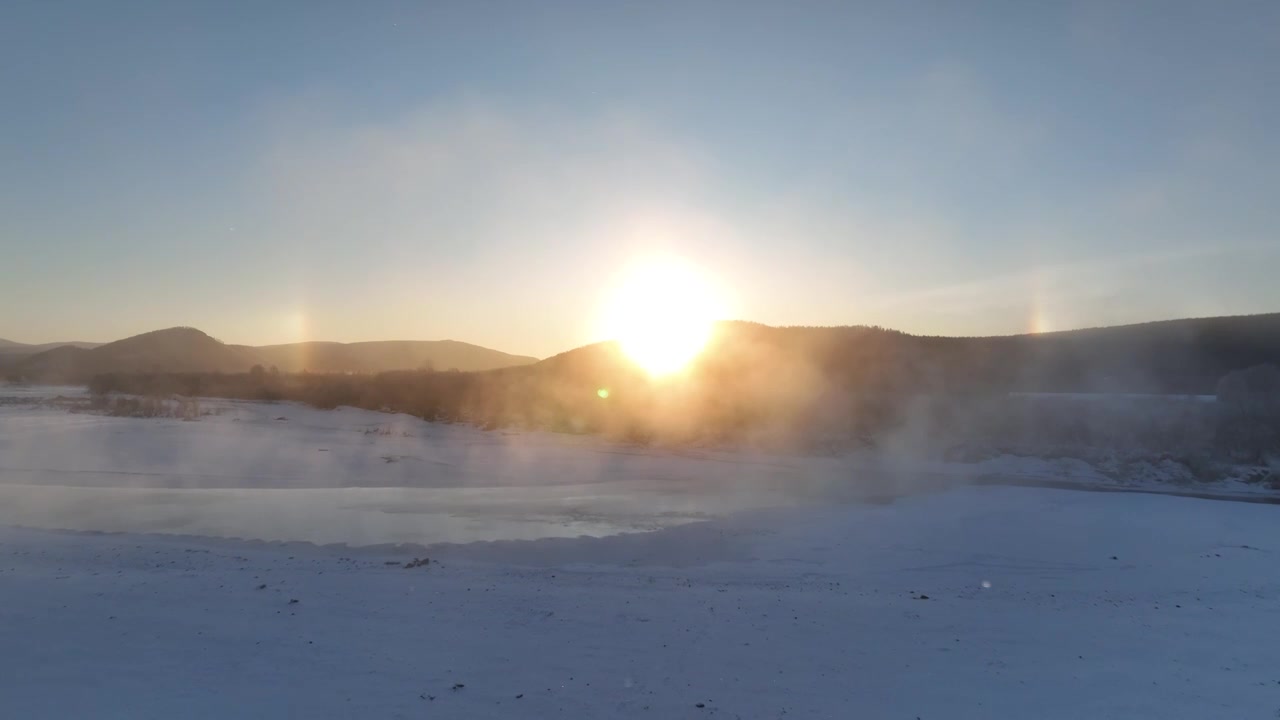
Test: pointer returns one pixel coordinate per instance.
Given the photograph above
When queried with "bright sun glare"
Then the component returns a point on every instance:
(662, 315)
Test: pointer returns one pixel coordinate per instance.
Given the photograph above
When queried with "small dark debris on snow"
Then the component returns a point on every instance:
(263, 586)
(283, 418)
(1113, 557)
(417, 562)
(700, 705)
(923, 597)
(293, 601)
(520, 696)
(459, 686)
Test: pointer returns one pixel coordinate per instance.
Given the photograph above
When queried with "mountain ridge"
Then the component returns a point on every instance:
(1167, 356)
(12, 346)
(1180, 356)
(383, 355)
(186, 349)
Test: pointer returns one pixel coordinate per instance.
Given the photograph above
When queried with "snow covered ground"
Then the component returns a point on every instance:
(1159, 474)
(167, 569)
(1040, 603)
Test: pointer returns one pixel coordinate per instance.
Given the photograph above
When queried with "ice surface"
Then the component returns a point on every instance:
(288, 472)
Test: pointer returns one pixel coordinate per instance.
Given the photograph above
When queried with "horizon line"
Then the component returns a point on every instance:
(726, 321)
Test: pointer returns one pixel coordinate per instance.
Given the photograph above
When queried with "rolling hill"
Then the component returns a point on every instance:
(172, 350)
(10, 347)
(820, 387)
(12, 352)
(803, 385)
(371, 357)
(1175, 356)
(187, 350)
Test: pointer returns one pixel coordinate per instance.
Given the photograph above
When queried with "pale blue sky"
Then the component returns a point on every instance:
(271, 171)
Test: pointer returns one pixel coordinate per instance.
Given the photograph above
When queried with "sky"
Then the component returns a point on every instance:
(486, 171)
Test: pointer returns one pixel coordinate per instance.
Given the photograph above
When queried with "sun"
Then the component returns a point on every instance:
(662, 314)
